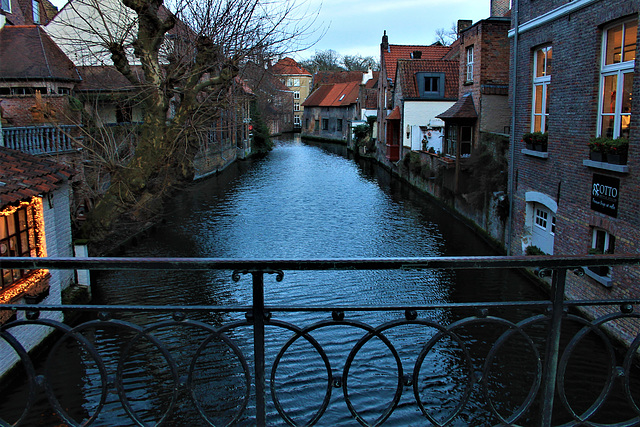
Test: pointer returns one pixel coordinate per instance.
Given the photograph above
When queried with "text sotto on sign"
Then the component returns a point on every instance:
(604, 195)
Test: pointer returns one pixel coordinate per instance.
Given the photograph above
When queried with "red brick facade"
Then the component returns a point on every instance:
(562, 179)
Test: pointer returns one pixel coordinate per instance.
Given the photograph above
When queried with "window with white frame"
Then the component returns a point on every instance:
(5, 5)
(469, 73)
(602, 242)
(297, 121)
(296, 94)
(542, 60)
(542, 216)
(296, 106)
(616, 79)
(35, 6)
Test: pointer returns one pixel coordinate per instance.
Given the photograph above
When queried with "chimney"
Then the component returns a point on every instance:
(500, 8)
(463, 24)
(385, 41)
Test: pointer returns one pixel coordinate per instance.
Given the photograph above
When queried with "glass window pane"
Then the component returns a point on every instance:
(614, 45)
(24, 244)
(537, 106)
(549, 61)
(630, 39)
(3, 226)
(11, 223)
(540, 63)
(22, 219)
(609, 94)
(607, 126)
(537, 123)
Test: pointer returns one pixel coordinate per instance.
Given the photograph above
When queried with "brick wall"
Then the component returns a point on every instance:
(16, 110)
(576, 39)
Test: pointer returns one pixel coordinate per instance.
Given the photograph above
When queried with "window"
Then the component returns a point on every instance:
(431, 85)
(289, 82)
(469, 77)
(317, 125)
(541, 218)
(296, 82)
(616, 79)
(296, 106)
(466, 137)
(325, 124)
(602, 243)
(339, 125)
(5, 5)
(35, 6)
(296, 94)
(542, 60)
(297, 121)
(18, 238)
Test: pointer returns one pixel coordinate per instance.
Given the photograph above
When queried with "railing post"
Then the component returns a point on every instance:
(258, 345)
(553, 344)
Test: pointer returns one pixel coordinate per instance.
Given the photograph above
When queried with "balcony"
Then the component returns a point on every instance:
(175, 345)
(40, 139)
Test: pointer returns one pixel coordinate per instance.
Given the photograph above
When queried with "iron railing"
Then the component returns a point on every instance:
(550, 357)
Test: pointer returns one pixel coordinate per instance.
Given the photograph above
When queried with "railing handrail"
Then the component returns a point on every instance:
(403, 263)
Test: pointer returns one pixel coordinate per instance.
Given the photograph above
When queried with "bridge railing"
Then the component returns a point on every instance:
(249, 391)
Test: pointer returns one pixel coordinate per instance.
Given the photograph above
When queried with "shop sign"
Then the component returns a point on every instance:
(604, 194)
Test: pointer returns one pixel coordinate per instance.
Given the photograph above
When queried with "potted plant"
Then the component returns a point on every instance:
(533, 250)
(617, 150)
(528, 140)
(540, 140)
(597, 148)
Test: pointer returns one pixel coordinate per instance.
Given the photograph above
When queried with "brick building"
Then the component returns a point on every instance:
(330, 109)
(575, 77)
(298, 80)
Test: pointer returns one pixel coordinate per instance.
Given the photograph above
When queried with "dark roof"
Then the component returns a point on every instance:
(106, 78)
(329, 77)
(395, 114)
(462, 109)
(396, 52)
(23, 176)
(408, 68)
(27, 52)
(288, 66)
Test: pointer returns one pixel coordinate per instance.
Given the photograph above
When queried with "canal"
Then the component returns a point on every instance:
(308, 200)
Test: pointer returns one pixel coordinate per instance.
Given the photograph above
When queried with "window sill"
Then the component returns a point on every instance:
(603, 280)
(606, 166)
(467, 83)
(534, 153)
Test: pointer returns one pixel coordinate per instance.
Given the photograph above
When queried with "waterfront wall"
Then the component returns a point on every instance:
(214, 158)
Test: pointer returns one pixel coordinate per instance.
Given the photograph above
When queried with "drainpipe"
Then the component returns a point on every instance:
(512, 150)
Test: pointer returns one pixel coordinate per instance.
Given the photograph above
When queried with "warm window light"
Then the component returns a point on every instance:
(27, 283)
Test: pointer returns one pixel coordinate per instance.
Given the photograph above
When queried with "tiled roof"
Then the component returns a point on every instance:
(395, 114)
(105, 78)
(23, 176)
(407, 69)
(397, 52)
(335, 95)
(329, 77)
(288, 66)
(462, 109)
(27, 52)
(373, 83)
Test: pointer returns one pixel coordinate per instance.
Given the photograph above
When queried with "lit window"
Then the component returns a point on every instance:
(616, 83)
(469, 64)
(541, 83)
(18, 238)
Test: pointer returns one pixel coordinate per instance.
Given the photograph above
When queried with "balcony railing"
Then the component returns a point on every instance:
(40, 139)
(539, 339)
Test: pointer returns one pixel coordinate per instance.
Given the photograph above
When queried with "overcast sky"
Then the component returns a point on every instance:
(356, 26)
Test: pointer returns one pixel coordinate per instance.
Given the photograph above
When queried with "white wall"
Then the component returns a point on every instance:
(422, 113)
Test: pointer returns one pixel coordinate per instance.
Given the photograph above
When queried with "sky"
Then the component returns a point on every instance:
(356, 26)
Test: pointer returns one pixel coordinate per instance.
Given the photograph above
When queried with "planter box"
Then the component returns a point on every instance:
(617, 159)
(529, 145)
(596, 156)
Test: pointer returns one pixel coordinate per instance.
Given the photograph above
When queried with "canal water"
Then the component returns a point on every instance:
(305, 201)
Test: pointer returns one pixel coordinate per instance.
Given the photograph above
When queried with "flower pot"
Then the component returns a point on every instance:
(539, 147)
(596, 156)
(529, 145)
(617, 159)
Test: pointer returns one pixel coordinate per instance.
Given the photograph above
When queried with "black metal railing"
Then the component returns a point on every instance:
(540, 336)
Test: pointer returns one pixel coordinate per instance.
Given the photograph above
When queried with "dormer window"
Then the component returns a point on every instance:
(431, 85)
(35, 6)
(5, 5)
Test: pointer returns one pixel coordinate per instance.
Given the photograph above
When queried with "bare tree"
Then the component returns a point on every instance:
(360, 63)
(447, 36)
(325, 60)
(182, 58)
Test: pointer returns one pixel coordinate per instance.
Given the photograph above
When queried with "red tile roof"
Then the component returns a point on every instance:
(335, 95)
(288, 66)
(395, 114)
(462, 109)
(23, 176)
(27, 52)
(329, 77)
(406, 75)
(396, 52)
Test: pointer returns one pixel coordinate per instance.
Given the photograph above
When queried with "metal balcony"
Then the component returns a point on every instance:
(257, 383)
